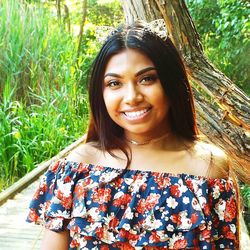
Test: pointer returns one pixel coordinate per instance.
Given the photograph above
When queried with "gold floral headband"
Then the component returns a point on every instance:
(157, 27)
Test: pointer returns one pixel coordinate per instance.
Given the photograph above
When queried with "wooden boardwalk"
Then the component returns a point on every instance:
(15, 232)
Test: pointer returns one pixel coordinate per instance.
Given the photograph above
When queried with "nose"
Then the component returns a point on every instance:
(133, 95)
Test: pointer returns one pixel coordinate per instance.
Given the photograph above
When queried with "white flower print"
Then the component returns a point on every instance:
(126, 226)
(151, 223)
(220, 208)
(171, 202)
(216, 192)
(170, 228)
(65, 188)
(186, 200)
(108, 176)
(79, 210)
(128, 214)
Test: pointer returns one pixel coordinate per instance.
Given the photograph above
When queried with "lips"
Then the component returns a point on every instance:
(135, 115)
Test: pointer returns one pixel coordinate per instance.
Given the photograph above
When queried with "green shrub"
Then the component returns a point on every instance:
(224, 29)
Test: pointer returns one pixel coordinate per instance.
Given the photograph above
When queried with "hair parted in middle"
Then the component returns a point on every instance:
(172, 75)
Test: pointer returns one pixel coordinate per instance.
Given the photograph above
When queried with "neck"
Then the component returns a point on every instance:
(148, 141)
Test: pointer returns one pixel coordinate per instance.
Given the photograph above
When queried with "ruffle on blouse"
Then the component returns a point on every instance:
(141, 207)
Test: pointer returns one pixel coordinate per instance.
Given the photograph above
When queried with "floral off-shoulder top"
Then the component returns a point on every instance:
(139, 210)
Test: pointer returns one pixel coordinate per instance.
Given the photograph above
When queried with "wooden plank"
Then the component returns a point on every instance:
(15, 232)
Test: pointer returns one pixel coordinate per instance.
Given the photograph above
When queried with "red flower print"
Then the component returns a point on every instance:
(207, 209)
(196, 242)
(206, 234)
(98, 168)
(65, 201)
(218, 183)
(180, 244)
(86, 182)
(75, 229)
(101, 195)
(79, 191)
(88, 237)
(40, 191)
(127, 235)
(106, 247)
(100, 233)
(118, 182)
(189, 184)
(67, 179)
(154, 237)
(33, 216)
(137, 177)
(74, 243)
(123, 246)
(228, 234)
(82, 168)
(194, 218)
(103, 208)
(175, 190)
(161, 181)
(143, 187)
(123, 200)
(148, 204)
(114, 223)
(53, 167)
(154, 248)
(175, 218)
(51, 188)
(230, 211)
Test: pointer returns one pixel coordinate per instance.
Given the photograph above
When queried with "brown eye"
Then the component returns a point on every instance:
(113, 84)
(148, 79)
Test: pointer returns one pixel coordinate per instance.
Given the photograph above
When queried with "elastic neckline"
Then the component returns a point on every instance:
(150, 172)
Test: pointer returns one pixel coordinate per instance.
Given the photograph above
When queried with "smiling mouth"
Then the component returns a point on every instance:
(135, 115)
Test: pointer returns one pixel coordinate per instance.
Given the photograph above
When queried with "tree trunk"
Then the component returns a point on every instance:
(223, 110)
(66, 18)
(84, 15)
(58, 8)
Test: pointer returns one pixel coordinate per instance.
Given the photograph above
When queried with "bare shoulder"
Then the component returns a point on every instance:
(218, 159)
(85, 152)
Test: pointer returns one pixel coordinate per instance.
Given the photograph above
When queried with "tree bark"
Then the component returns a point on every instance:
(223, 110)
(58, 8)
(66, 18)
(84, 15)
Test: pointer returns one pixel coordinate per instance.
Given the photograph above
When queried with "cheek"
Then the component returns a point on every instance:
(111, 102)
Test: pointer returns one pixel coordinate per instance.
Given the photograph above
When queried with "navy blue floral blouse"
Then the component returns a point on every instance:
(138, 210)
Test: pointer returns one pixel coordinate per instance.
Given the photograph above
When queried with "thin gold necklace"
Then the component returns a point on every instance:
(148, 141)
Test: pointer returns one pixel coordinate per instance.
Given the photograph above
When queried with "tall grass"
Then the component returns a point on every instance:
(43, 105)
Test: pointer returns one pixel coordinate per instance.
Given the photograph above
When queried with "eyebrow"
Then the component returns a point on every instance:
(137, 74)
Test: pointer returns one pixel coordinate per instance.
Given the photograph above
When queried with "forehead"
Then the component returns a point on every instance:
(128, 59)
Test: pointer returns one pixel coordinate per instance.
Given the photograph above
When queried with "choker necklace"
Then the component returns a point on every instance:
(148, 141)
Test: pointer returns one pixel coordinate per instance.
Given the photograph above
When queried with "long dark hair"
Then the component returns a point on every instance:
(170, 68)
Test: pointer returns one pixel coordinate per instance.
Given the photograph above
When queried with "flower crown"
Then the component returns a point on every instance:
(156, 27)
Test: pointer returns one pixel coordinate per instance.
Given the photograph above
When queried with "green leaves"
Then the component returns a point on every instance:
(224, 29)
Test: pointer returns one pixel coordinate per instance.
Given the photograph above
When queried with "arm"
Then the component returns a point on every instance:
(55, 240)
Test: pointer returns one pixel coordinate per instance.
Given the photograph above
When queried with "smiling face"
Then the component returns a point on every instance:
(134, 97)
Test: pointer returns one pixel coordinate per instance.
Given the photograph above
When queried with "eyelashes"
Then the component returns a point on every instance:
(145, 80)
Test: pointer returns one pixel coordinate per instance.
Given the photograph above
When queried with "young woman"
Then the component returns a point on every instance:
(143, 179)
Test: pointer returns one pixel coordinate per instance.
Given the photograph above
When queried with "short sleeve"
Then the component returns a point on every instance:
(51, 204)
(225, 213)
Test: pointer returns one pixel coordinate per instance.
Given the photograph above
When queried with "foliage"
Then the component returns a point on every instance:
(224, 29)
(43, 104)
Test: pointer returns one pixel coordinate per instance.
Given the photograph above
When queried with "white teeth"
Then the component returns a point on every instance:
(136, 113)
